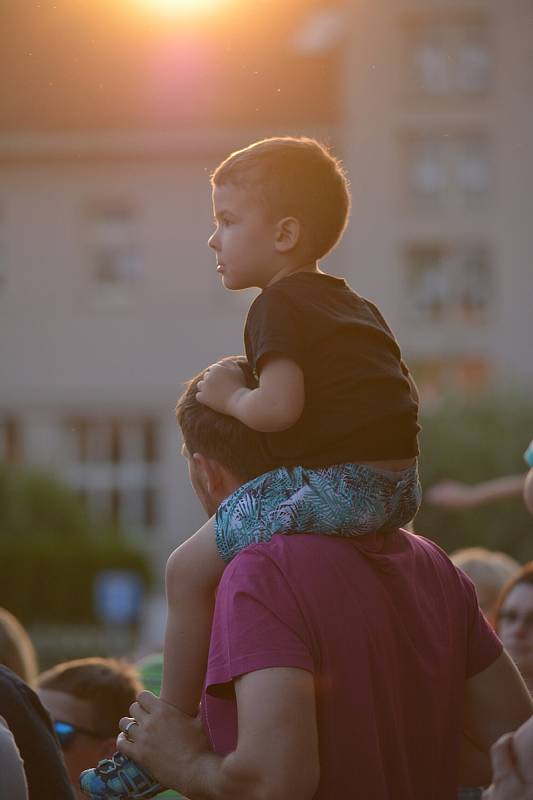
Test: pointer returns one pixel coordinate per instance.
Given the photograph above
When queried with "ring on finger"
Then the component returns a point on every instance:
(127, 729)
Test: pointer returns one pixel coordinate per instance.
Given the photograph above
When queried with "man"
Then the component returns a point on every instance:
(350, 666)
(85, 699)
(32, 731)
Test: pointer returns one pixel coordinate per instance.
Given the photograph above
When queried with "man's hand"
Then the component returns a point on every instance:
(164, 741)
(507, 783)
(220, 385)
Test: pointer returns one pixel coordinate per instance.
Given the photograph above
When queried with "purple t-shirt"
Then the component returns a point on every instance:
(389, 628)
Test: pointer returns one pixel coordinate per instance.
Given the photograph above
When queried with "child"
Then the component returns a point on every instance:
(334, 399)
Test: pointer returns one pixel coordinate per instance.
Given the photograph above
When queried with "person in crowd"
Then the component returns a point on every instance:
(16, 648)
(514, 621)
(512, 766)
(369, 654)
(280, 206)
(33, 733)
(489, 571)
(528, 483)
(86, 698)
(13, 783)
(512, 754)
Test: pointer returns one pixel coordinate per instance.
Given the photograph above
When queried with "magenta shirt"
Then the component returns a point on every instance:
(389, 628)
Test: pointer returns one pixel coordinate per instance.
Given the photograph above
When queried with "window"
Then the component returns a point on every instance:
(449, 57)
(447, 170)
(449, 283)
(437, 377)
(3, 253)
(114, 466)
(10, 440)
(116, 263)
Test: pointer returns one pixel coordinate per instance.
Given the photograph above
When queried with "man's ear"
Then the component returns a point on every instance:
(209, 471)
(288, 234)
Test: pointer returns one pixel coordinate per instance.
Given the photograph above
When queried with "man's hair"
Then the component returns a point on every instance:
(111, 686)
(227, 440)
(295, 177)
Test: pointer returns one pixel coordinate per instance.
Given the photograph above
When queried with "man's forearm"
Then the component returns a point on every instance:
(214, 777)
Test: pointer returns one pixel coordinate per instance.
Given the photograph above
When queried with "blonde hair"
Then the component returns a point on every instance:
(294, 176)
(16, 648)
(489, 571)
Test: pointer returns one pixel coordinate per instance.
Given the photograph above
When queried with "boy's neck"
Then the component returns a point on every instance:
(284, 272)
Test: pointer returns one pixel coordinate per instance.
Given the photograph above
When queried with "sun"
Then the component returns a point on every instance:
(180, 7)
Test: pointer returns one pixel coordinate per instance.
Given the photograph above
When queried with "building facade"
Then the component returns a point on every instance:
(109, 298)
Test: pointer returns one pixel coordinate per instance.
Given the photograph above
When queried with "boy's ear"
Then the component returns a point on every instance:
(288, 234)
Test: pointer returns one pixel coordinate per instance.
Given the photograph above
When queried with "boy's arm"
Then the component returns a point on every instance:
(275, 405)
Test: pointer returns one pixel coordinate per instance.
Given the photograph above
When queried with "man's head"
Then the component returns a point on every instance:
(222, 452)
(283, 201)
(86, 698)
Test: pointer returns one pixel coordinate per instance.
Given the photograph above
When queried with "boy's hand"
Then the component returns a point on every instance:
(220, 385)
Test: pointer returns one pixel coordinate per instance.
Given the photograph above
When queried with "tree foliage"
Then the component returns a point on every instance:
(51, 550)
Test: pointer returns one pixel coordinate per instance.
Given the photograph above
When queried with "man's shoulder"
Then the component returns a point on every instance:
(299, 556)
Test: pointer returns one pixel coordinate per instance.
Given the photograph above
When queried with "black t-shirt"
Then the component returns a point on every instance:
(358, 401)
(31, 726)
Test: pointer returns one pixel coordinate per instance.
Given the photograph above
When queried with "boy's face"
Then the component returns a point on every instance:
(244, 239)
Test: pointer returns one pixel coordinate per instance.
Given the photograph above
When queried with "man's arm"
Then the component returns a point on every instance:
(276, 754)
(497, 701)
(454, 494)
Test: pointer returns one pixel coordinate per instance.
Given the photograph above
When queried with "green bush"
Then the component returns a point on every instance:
(51, 551)
(473, 441)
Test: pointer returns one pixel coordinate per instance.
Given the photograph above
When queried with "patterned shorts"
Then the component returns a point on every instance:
(340, 500)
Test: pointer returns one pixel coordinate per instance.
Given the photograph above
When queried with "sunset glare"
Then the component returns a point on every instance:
(180, 7)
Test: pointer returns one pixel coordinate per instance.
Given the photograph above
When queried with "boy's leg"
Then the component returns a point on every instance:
(340, 500)
(193, 572)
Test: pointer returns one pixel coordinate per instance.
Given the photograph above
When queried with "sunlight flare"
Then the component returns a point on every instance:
(181, 7)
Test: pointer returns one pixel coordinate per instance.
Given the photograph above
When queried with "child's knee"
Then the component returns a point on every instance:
(185, 577)
(179, 575)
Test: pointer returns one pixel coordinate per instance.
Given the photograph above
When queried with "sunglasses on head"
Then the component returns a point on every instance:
(65, 732)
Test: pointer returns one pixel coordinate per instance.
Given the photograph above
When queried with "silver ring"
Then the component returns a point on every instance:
(126, 730)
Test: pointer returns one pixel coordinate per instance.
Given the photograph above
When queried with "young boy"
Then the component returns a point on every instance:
(334, 399)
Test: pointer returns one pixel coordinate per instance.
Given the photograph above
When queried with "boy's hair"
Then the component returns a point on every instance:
(225, 439)
(111, 686)
(295, 177)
